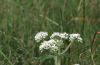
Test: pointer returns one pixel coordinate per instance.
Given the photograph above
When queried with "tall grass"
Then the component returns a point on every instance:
(20, 20)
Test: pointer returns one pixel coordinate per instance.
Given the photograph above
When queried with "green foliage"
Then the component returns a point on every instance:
(20, 20)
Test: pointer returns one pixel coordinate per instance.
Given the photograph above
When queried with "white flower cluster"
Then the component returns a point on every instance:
(40, 36)
(72, 37)
(61, 35)
(49, 45)
(59, 43)
(56, 40)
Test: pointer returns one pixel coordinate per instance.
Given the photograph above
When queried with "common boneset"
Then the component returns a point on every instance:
(56, 42)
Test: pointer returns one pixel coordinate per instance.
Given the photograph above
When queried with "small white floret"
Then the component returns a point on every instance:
(40, 36)
(72, 37)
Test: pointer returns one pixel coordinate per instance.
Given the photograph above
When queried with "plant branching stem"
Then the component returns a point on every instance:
(66, 48)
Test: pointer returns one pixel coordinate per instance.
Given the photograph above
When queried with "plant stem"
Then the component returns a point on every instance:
(55, 58)
(66, 48)
(92, 59)
(58, 58)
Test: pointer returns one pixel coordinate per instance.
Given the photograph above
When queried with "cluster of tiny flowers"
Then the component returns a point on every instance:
(40, 36)
(48, 45)
(44, 45)
(61, 35)
(72, 37)
(56, 40)
(59, 43)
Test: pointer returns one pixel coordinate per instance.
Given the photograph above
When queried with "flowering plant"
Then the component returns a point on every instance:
(56, 42)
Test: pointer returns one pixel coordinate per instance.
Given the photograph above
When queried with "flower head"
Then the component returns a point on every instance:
(64, 35)
(51, 45)
(48, 45)
(60, 35)
(72, 37)
(52, 42)
(55, 34)
(54, 48)
(45, 45)
(40, 36)
(59, 43)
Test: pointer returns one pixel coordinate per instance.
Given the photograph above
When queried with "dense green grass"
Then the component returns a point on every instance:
(20, 20)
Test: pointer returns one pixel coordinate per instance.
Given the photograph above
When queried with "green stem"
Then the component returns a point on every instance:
(58, 58)
(66, 48)
(55, 58)
(92, 59)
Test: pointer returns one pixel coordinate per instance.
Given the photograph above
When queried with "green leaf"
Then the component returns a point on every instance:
(52, 55)
(43, 57)
(73, 57)
(39, 58)
(70, 56)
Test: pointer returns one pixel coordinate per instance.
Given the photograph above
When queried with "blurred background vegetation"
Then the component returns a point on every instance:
(20, 20)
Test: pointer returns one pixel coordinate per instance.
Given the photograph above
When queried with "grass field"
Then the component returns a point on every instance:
(20, 20)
